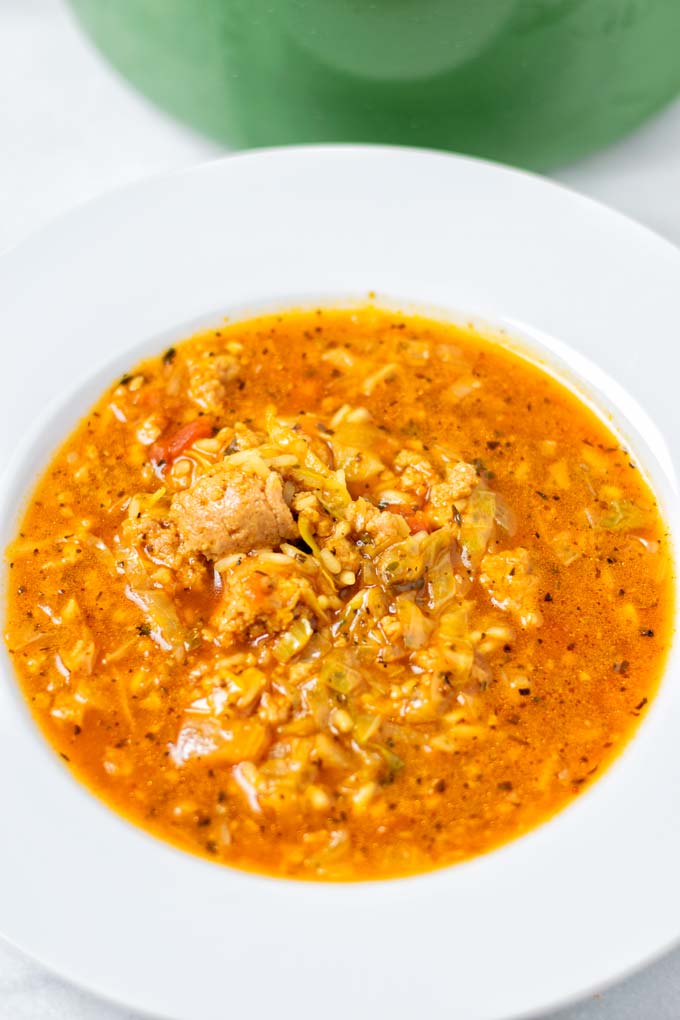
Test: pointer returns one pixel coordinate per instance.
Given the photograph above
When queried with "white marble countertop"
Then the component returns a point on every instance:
(70, 129)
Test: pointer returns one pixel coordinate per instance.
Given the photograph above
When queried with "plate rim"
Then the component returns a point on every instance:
(329, 151)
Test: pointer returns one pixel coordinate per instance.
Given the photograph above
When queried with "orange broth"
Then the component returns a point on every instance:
(367, 699)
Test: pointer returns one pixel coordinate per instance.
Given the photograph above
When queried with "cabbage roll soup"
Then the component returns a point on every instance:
(339, 594)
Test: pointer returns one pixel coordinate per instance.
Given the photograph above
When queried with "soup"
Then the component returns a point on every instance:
(339, 594)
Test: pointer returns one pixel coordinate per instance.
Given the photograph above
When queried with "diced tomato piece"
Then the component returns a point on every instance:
(400, 508)
(419, 521)
(169, 447)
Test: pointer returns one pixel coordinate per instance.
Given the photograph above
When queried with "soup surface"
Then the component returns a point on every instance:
(341, 594)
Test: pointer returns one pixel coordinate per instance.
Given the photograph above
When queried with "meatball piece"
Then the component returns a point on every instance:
(230, 510)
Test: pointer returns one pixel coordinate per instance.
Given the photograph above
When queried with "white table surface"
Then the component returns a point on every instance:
(70, 129)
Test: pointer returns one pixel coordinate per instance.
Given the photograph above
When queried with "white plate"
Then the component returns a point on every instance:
(566, 909)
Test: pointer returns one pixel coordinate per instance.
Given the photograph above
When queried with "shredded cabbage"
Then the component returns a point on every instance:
(293, 640)
(623, 515)
(329, 485)
(453, 624)
(477, 526)
(416, 628)
(362, 613)
(165, 626)
(353, 444)
(392, 760)
(339, 675)
(441, 581)
(403, 562)
(205, 737)
(365, 728)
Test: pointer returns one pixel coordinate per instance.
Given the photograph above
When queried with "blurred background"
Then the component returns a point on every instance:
(96, 93)
(583, 89)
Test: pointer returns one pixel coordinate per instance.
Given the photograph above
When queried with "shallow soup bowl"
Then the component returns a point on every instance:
(565, 910)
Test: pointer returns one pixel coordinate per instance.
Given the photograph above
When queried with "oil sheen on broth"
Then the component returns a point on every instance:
(340, 594)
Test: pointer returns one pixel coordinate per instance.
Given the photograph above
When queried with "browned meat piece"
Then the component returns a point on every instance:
(256, 603)
(383, 527)
(512, 583)
(208, 379)
(157, 539)
(416, 471)
(232, 509)
(461, 479)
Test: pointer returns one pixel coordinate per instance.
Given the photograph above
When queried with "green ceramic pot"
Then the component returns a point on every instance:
(530, 82)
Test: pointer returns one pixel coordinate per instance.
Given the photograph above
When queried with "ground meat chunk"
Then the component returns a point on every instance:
(416, 471)
(256, 602)
(512, 583)
(209, 378)
(232, 509)
(157, 538)
(461, 479)
(380, 526)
